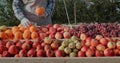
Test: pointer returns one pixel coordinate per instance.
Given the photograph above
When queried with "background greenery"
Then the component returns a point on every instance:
(87, 11)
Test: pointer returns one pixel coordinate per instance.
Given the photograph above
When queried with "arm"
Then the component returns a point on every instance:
(17, 4)
(50, 7)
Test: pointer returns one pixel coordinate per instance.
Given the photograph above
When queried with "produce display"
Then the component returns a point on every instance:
(84, 40)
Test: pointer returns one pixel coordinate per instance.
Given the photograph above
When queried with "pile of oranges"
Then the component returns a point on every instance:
(19, 32)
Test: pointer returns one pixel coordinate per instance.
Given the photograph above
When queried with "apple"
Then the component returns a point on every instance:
(52, 36)
(111, 45)
(42, 35)
(44, 29)
(59, 29)
(65, 43)
(17, 55)
(99, 53)
(94, 42)
(47, 47)
(49, 25)
(81, 54)
(5, 54)
(118, 44)
(2, 49)
(8, 44)
(89, 53)
(92, 48)
(73, 38)
(78, 45)
(108, 52)
(67, 50)
(72, 54)
(104, 41)
(47, 40)
(28, 41)
(72, 45)
(66, 28)
(52, 30)
(116, 52)
(88, 39)
(13, 50)
(66, 35)
(31, 53)
(59, 53)
(19, 45)
(35, 44)
(56, 26)
(83, 36)
(39, 47)
(22, 53)
(87, 43)
(75, 50)
(43, 44)
(98, 37)
(84, 48)
(100, 47)
(55, 45)
(40, 53)
(26, 46)
(83, 42)
(61, 48)
(50, 53)
(58, 35)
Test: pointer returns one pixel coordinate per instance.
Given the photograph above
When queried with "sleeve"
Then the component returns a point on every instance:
(17, 8)
(50, 7)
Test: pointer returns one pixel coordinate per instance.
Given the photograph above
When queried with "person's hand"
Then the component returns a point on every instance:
(25, 22)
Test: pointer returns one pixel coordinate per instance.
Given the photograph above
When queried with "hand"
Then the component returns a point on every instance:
(25, 22)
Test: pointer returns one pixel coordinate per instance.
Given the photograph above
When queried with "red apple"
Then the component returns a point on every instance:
(17, 55)
(108, 52)
(99, 53)
(43, 44)
(50, 53)
(52, 30)
(28, 41)
(87, 43)
(104, 41)
(81, 54)
(58, 35)
(55, 45)
(13, 50)
(49, 25)
(59, 53)
(44, 29)
(116, 52)
(89, 53)
(35, 44)
(88, 39)
(66, 28)
(5, 54)
(26, 46)
(42, 35)
(31, 53)
(98, 37)
(52, 36)
(83, 36)
(111, 45)
(94, 42)
(39, 47)
(40, 53)
(2, 49)
(56, 26)
(8, 44)
(22, 53)
(47, 47)
(19, 45)
(100, 47)
(66, 35)
(84, 48)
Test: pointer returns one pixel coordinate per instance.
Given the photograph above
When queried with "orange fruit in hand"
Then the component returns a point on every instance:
(40, 10)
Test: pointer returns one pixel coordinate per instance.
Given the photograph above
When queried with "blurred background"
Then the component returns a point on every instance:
(86, 11)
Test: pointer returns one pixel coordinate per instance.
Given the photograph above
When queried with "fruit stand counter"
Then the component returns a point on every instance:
(62, 60)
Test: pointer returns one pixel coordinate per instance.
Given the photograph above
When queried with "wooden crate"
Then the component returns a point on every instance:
(62, 60)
